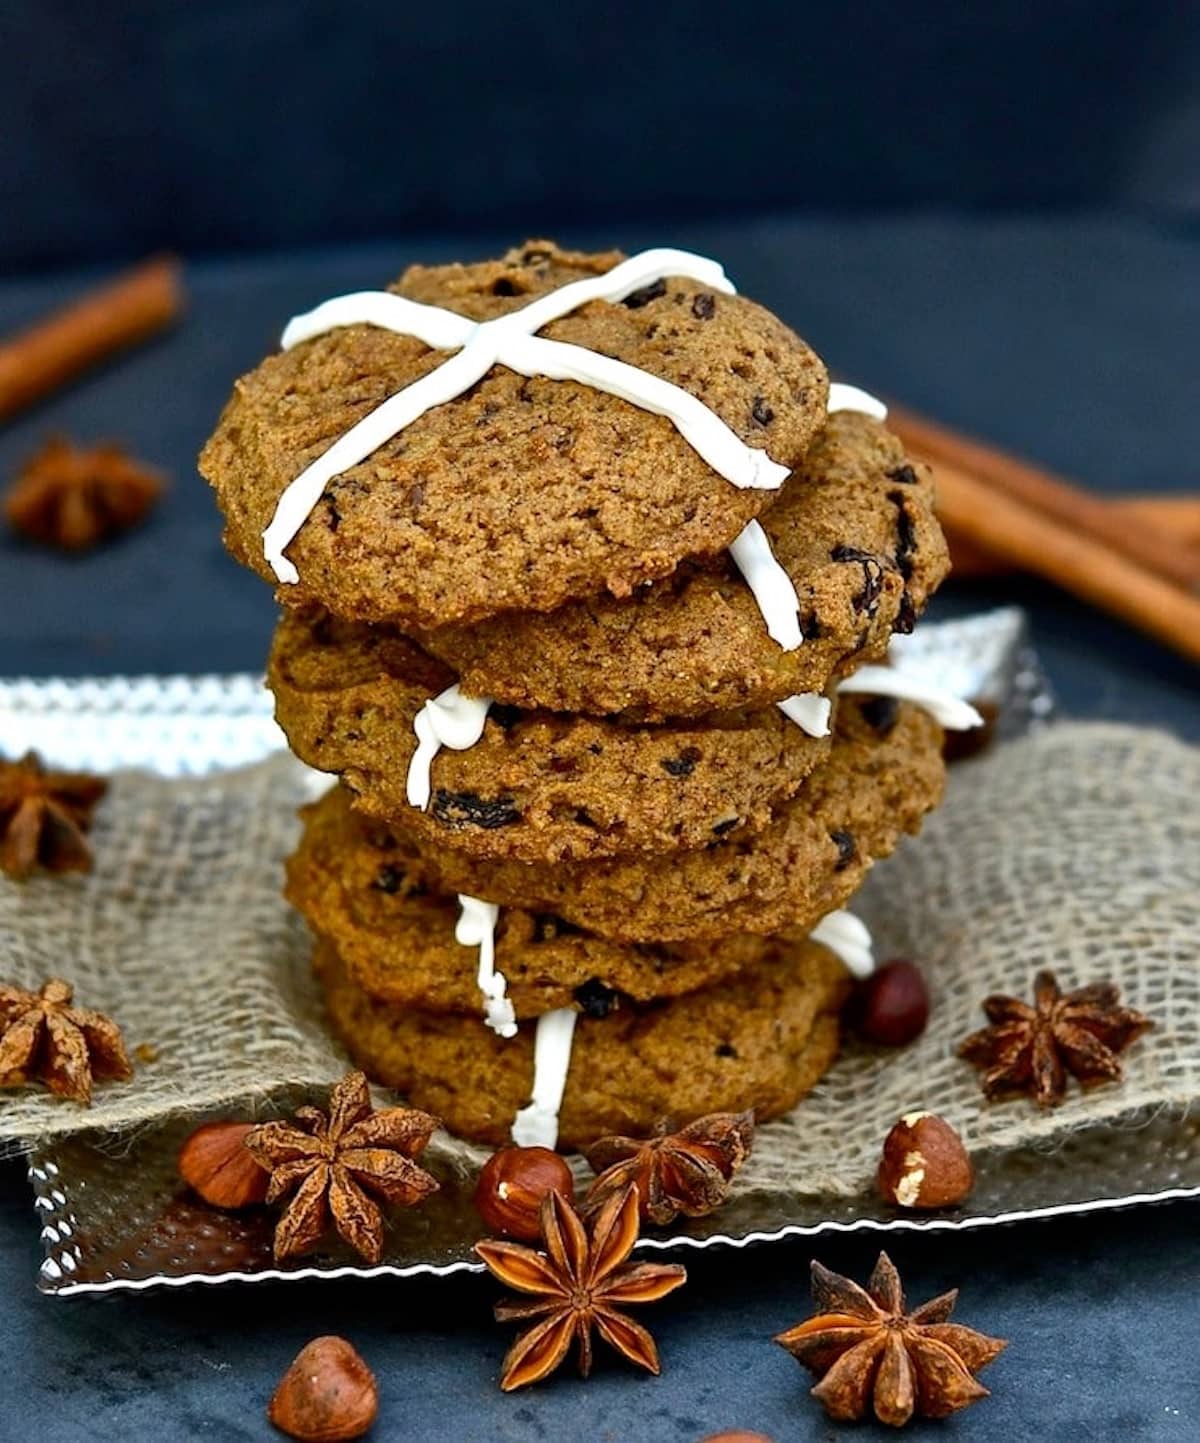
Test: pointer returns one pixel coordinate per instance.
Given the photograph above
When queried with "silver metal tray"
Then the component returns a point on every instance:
(114, 1215)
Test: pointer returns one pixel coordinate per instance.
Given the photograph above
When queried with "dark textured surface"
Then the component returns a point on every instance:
(260, 123)
(1075, 341)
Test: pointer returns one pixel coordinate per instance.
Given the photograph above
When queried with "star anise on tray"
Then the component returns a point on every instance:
(335, 1164)
(44, 1039)
(74, 498)
(870, 1355)
(43, 817)
(685, 1172)
(1031, 1048)
(580, 1283)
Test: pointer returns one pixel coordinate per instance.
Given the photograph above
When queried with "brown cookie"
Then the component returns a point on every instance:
(362, 891)
(537, 786)
(878, 783)
(760, 1042)
(854, 528)
(522, 493)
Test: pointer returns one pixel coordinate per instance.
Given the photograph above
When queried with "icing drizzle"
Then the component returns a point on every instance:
(537, 1124)
(769, 584)
(848, 937)
(449, 719)
(476, 927)
(510, 340)
(947, 710)
(809, 710)
(851, 398)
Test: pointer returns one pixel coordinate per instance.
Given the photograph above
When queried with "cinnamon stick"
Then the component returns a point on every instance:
(1009, 528)
(1152, 547)
(98, 325)
(1179, 513)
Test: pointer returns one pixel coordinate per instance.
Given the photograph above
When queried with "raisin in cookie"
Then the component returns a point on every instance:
(537, 786)
(522, 492)
(883, 774)
(855, 530)
(759, 1042)
(362, 892)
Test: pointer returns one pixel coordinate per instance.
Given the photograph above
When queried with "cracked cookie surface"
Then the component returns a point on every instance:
(855, 529)
(523, 492)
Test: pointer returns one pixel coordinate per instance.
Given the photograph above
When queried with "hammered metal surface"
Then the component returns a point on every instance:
(113, 1212)
(115, 1216)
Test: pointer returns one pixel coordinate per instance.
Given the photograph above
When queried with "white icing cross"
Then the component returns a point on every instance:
(449, 719)
(537, 1124)
(510, 341)
(848, 938)
(476, 927)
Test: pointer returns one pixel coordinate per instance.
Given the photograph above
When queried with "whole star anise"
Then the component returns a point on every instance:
(43, 1038)
(332, 1163)
(872, 1355)
(74, 498)
(685, 1172)
(579, 1283)
(43, 817)
(1031, 1049)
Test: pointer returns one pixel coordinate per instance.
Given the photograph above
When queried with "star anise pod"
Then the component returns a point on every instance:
(870, 1354)
(74, 498)
(1031, 1049)
(43, 1038)
(43, 817)
(579, 1283)
(332, 1163)
(685, 1172)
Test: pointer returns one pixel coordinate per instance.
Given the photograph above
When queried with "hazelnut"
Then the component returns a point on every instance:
(891, 1006)
(328, 1395)
(512, 1184)
(737, 1436)
(214, 1163)
(924, 1163)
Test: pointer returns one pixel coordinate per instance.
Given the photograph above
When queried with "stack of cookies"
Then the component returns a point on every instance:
(578, 557)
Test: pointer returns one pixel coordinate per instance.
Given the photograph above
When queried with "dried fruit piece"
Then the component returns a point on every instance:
(215, 1164)
(512, 1186)
(580, 1283)
(328, 1395)
(1031, 1049)
(44, 1039)
(872, 1356)
(43, 817)
(924, 1164)
(335, 1163)
(685, 1172)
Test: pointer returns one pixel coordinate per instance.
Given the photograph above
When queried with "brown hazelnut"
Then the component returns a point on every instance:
(214, 1163)
(512, 1184)
(924, 1164)
(891, 1006)
(328, 1395)
(737, 1436)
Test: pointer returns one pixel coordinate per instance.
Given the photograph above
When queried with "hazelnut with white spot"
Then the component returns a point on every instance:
(924, 1164)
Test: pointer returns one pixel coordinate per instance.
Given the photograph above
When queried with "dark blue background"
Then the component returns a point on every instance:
(986, 210)
(134, 124)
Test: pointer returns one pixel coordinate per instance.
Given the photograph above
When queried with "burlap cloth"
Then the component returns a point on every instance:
(1076, 848)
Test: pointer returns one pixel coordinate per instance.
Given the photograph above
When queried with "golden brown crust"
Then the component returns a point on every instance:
(538, 787)
(761, 1042)
(522, 493)
(362, 891)
(854, 528)
(851, 811)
